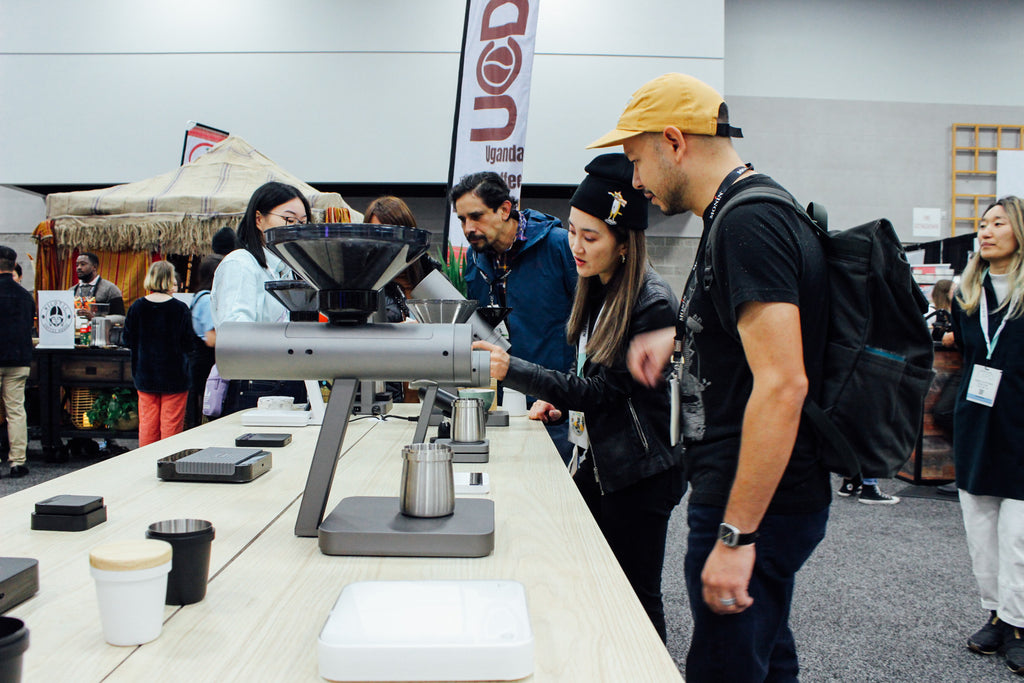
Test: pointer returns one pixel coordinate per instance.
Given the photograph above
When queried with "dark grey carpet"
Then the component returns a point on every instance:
(888, 596)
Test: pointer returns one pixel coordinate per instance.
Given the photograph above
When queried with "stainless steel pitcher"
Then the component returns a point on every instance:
(100, 331)
(469, 420)
(428, 484)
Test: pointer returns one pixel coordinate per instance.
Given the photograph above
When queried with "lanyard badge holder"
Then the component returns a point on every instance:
(984, 383)
(675, 377)
(674, 425)
(676, 374)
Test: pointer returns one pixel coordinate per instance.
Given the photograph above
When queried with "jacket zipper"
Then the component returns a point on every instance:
(636, 423)
(597, 476)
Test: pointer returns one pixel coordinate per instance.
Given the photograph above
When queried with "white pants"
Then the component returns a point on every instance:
(995, 539)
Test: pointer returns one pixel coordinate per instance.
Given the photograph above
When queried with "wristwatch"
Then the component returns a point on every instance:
(731, 536)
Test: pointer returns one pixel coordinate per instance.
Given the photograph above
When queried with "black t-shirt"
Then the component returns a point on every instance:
(764, 253)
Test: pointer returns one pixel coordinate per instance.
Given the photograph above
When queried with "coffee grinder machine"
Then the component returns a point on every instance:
(348, 264)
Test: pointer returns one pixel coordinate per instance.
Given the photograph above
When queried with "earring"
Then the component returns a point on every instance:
(623, 257)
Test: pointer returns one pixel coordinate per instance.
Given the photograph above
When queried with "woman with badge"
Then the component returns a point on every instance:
(988, 326)
(623, 464)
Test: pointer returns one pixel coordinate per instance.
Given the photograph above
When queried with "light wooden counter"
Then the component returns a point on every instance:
(271, 591)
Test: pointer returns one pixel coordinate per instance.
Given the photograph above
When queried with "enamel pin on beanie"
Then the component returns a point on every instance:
(607, 193)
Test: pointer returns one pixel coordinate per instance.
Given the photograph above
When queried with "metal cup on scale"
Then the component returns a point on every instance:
(469, 420)
(428, 483)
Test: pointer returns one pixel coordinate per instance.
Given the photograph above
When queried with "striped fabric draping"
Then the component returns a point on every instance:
(55, 267)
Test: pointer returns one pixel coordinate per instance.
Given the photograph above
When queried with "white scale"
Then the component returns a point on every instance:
(427, 631)
(261, 417)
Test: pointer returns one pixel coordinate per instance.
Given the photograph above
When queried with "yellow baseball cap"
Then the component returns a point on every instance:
(674, 99)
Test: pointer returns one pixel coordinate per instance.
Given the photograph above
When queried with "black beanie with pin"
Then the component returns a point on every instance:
(607, 193)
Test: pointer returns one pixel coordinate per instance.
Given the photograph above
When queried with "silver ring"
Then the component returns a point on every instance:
(728, 602)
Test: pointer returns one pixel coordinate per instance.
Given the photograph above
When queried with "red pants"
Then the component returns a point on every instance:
(160, 416)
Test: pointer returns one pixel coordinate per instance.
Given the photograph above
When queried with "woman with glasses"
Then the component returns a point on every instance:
(238, 294)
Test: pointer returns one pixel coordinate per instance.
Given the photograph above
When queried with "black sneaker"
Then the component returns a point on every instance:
(18, 471)
(849, 487)
(1013, 650)
(991, 636)
(870, 494)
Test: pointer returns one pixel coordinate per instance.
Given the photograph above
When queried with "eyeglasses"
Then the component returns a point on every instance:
(289, 220)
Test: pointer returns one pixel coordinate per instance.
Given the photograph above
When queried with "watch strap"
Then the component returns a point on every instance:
(731, 536)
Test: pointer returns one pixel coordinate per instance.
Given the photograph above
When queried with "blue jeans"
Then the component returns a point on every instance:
(756, 644)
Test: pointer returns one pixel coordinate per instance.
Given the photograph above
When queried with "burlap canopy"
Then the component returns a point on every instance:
(178, 212)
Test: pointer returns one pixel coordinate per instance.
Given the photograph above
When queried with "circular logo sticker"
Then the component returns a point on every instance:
(56, 316)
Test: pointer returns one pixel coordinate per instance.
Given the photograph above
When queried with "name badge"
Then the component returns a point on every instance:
(984, 385)
(578, 430)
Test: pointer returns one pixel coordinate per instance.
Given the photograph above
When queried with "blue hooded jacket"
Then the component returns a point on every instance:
(541, 287)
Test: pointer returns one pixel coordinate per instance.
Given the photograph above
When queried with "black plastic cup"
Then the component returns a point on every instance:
(190, 560)
(13, 643)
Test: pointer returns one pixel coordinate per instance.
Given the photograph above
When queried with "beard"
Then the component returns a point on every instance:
(479, 244)
(672, 196)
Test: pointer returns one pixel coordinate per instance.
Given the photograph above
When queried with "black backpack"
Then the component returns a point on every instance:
(878, 364)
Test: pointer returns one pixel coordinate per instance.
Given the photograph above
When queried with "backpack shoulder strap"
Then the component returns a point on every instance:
(814, 216)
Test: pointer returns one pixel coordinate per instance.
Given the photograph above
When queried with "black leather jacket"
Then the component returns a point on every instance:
(628, 423)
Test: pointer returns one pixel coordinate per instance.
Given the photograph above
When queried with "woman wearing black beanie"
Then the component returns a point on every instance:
(623, 465)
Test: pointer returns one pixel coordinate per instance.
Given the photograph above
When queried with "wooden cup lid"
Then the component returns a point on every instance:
(123, 556)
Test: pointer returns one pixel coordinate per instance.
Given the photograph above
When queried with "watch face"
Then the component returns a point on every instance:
(727, 534)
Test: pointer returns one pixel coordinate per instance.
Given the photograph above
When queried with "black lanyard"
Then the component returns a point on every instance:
(691, 281)
(498, 295)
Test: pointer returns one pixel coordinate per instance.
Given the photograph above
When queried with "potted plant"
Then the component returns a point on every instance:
(452, 267)
(116, 409)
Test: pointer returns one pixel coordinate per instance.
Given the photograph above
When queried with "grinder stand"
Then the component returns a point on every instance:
(366, 525)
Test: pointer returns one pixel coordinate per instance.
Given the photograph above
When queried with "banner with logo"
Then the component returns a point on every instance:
(56, 319)
(494, 95)
(198, 141)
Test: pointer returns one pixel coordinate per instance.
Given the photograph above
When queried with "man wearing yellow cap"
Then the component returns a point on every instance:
(748, 350)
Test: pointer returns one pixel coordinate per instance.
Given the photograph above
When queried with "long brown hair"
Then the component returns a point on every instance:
(608, 341)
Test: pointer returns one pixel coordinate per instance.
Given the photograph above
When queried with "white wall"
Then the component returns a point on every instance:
(848, 103)
(851, 104)
(22, 210)
(937, 51)
(333, 90)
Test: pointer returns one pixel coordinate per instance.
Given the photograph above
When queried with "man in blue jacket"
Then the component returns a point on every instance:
(17, 309)
(520, 259)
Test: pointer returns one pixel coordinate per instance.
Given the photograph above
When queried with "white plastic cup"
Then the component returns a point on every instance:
(131, 584)
(513, 402)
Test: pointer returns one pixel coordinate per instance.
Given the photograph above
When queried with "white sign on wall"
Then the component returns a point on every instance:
(926, 222)
(56, 319)
(1009, 173)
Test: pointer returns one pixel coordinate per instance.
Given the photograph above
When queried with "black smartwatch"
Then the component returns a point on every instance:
(731, 536)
